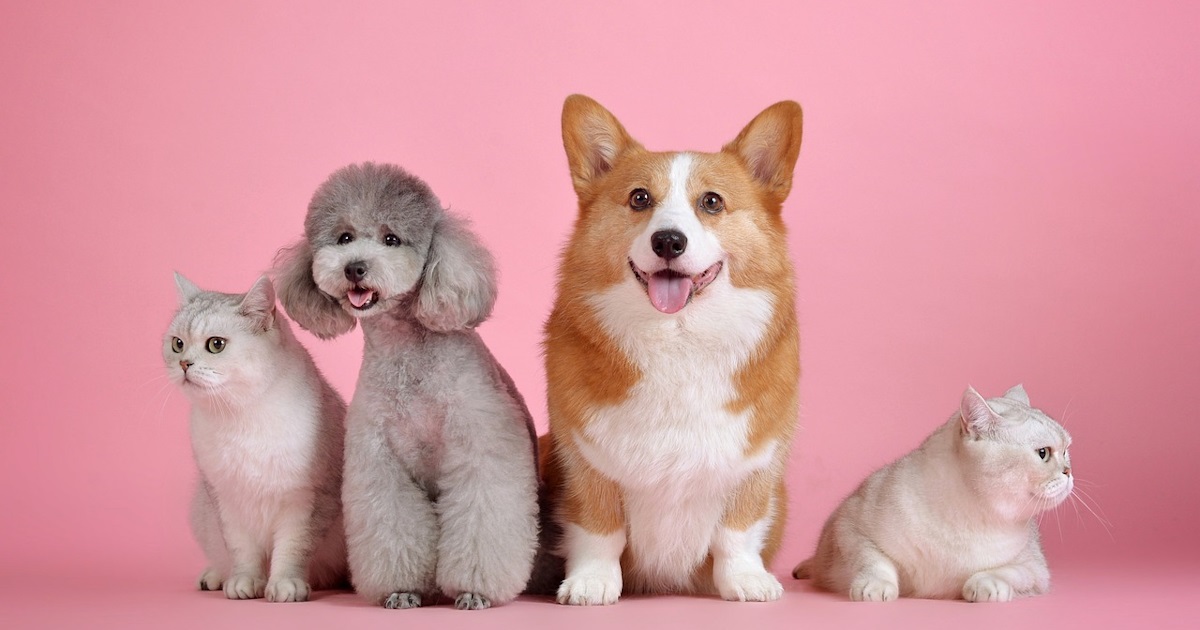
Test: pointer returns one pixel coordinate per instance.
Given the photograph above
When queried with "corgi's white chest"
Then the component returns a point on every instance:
(673, 445)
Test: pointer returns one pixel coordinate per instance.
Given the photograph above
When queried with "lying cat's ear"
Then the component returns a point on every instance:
(977, 416)
(258, 305)
(1018, 394)
(187, 290)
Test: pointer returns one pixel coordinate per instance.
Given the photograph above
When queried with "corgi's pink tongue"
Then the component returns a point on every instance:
(359, 297)
(669, 293)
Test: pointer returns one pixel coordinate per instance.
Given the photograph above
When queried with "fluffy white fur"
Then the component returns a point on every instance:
(956, 517)
(267, 436)
(440, 483)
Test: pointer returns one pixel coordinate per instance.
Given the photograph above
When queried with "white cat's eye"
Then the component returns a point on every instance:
(1045, 452)
(345, 238)
(215, 344)
(177, 344)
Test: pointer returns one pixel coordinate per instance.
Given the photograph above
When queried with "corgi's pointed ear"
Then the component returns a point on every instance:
(187, 290)
(593, 139)
(310, 307)
(769, 146)
(458, 289)
(259, 303)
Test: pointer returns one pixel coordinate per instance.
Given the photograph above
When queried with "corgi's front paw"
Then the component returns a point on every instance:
(751, 586)
(244, 586)
(287, 590)
(985, 587)
(590, 589)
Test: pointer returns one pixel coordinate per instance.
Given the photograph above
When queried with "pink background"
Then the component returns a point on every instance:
(984, 195)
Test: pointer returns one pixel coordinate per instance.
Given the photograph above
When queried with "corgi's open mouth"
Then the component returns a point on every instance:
(362, 298)
(670, 290)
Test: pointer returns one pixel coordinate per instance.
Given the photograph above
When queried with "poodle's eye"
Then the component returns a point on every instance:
(215, 344)
(1045, 452)
(346, 237)
(391, 240)
(712, 203)
(640, 199)
(177, 344)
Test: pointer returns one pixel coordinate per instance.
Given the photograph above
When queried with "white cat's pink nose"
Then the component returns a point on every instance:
(1067, 471)
(185, 365)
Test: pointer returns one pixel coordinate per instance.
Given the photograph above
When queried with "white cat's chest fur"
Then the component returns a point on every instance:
(256, 456)
(673, 445)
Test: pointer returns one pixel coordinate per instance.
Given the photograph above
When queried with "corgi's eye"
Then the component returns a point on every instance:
(1045, 452)
(391, 240)
(177, 344)
(640, 199)
(346, 237)
(712, 203)
(215, 344)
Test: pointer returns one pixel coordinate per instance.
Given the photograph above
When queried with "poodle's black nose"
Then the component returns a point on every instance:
(668, 244)
(356, 271)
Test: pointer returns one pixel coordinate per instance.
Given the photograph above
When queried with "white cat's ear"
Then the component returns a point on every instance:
(259, 303)
(1018, 394)
(976, 415)
(187, 290)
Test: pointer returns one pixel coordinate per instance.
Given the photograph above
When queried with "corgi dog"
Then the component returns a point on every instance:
(672, 362)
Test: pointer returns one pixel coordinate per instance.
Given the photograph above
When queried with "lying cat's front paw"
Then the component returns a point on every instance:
(758, 586)
(985, 587)
(244, 586)
(869, 588)
(210, 580)
(590, 589)
(287, 590)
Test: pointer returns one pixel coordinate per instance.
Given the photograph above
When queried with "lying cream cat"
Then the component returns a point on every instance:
(955, 517)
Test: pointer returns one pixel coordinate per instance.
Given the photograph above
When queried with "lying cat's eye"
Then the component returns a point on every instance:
(391, 240)
(1045, 452)
(177, 344)
(346, 237)
(215, 344)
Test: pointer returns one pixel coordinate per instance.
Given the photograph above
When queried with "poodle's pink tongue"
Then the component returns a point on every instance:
(669, 293)
(358, 297)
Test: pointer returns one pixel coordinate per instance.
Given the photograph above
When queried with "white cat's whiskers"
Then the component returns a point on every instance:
(1078, 494)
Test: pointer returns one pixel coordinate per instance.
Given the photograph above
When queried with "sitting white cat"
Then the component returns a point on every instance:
(955, 517)
(267, 432)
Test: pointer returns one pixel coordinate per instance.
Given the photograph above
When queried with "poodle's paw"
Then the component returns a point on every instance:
(869, 588)
(986, 587)
(244, 586)
(751, 586)
(590, 589)
(287, 590)
(471, 601)
(210, 580)
(402, 600)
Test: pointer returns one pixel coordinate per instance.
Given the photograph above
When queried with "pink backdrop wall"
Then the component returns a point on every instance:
(984, 195)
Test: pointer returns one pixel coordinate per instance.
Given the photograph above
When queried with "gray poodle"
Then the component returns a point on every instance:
(440, 487)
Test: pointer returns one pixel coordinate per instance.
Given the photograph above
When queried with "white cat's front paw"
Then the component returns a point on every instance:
(985, 587)
(590, 589)
(287, 590)
(869, 588)
(244, 586)
(210, 580)
(751, 586)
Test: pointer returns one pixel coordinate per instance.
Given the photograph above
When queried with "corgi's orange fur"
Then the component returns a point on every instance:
(672, 362)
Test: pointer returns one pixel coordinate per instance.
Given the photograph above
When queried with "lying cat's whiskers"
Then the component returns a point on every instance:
(1078, 494)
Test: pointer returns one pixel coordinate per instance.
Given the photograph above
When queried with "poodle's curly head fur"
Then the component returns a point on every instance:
(378, 242)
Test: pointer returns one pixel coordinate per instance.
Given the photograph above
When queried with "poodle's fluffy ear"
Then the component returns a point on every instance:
(459, 286)
(310, 307)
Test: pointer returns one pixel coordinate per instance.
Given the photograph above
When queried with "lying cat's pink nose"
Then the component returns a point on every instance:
(1067, 471)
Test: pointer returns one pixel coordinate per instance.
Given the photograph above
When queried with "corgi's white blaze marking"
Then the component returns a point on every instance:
(593, 567)
(678, 212)
(738, 570)
(673, 446)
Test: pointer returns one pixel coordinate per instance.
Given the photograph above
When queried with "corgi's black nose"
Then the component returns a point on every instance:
(356, 271)
(668, 244)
